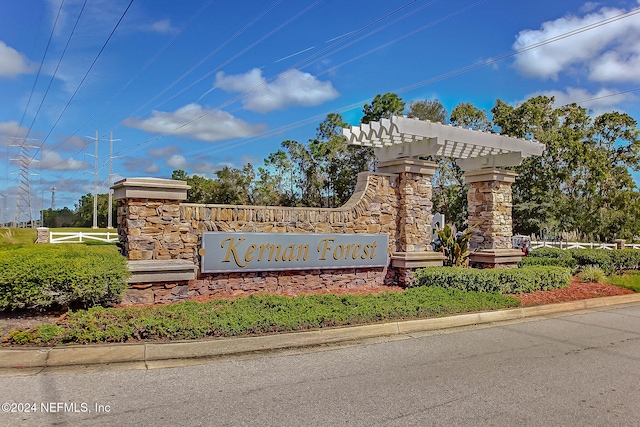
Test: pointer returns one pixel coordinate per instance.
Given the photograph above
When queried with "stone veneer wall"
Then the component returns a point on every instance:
(490, 205)
(372, 209)
(415, 212)
(166, 229)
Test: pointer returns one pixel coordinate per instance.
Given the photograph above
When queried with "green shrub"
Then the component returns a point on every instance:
(608, 261)
(568, 262)
(550, 253)
(596, 257)
(625, 259)
(256, 314)
(527, 279)
(43, 276)
(591, 273)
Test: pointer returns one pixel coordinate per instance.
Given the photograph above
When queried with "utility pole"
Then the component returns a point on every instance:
(110, 213)
(23, 203)
(95, 183)
(4, 210)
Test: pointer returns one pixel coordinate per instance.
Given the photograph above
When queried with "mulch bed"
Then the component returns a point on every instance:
(576, 291)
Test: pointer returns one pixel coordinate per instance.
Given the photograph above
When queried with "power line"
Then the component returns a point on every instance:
(55, 72)
(209, 55)
(602, 97)
(240, 96)
(144, 67)
(343, 39)
(410, 87)
(442, 76)
(85, 76)
(33, 88)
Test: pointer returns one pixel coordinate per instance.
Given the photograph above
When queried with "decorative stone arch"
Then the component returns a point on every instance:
(401, 142)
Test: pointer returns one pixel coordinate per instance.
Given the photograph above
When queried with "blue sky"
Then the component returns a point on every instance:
(197, 85)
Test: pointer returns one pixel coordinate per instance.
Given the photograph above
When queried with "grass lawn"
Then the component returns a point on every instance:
(629, 280)
(17, 236)
(27, 236)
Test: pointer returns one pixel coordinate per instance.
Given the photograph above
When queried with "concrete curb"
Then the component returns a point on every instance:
(19, 358)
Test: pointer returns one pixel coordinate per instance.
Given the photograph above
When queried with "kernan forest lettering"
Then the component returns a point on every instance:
(242, 255)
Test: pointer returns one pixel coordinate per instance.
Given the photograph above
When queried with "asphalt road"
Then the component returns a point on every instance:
(576, 370)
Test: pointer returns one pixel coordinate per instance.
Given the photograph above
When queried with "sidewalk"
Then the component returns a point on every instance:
(144, 354)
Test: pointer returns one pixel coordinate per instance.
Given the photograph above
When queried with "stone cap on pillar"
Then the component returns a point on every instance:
(150, 188)
(419, 166)
(480, 175)
(417, 259)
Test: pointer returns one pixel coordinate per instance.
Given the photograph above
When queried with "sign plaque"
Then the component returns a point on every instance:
(236, 252)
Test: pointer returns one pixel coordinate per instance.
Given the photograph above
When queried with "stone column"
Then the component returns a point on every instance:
(620, 243)
(413, 236)
(490, 206)
(149, 226)
(43, 235)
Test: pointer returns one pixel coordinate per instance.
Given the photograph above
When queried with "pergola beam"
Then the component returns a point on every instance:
(402, 137)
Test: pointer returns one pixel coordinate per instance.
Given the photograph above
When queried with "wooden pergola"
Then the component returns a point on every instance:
(401, 137)
(401, 144)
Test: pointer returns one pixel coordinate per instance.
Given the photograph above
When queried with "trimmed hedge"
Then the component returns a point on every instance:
(600, 258)
(256, 314)
(609, 261)
(46, 276)
(506, 281)
(626, 259)
(568, 262)
(550, 253)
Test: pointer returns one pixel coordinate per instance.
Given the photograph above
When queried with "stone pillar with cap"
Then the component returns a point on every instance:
(413, 241)
(490, 207)
(43, 235)
(149, 224)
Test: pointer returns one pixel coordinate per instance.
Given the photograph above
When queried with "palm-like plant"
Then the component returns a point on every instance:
(454, 245)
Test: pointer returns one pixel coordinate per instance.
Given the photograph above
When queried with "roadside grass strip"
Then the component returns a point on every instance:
(255, 315)
(629, 280)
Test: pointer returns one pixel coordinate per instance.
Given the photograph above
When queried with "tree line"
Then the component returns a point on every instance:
(581, 184)
(81, 215)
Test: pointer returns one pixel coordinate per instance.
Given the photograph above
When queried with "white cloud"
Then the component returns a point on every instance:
(247, 158)
(617, 66)
(207, 168)
(137, 165)
(12, 62)
(177, 162)
(163, 27)
(152, 169)
(72, 143)
(193, 121)
(53, 161)
(9, 130)
(589, 6)
(163, 151)
(291, 88)
(608, 53)
(601, 101)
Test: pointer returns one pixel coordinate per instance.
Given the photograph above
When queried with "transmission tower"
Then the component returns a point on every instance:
(53, 198)
(23, 204)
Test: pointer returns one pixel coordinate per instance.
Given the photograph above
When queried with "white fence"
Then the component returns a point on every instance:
(578, 245)
(80, 237)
